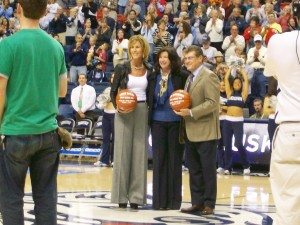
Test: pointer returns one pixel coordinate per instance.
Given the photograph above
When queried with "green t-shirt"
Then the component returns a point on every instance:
(33, 62)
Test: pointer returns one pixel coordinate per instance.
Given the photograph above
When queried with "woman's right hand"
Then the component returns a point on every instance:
(123, 111)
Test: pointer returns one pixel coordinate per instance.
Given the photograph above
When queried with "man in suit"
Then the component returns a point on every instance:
(202, 132)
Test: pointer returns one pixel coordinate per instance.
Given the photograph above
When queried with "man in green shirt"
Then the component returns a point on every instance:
(32, 77)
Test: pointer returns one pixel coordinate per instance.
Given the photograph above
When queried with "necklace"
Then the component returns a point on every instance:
(138, 67)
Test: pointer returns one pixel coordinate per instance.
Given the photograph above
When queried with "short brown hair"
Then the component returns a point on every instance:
(193, 48)
(144, 43)
(33, 9)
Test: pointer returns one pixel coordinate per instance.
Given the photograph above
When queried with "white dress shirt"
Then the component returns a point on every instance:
(88, 98)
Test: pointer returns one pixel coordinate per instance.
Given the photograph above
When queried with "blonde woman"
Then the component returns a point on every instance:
(214, 29)
(131, 127)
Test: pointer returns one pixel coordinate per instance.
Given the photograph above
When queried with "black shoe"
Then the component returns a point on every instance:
(134, 206)
(123, 205)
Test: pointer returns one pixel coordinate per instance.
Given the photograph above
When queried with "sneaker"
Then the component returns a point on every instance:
(247, 171)
(220, 170)
(226, 172)
(101, 164)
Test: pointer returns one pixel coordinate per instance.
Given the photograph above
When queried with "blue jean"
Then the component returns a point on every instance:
(259, 84)
(39, 153)
(108, 123)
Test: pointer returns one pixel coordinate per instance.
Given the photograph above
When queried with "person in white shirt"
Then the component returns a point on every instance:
(83, 99)
(214, 28)
(208, 53)
(283, 63)
(52, 8)
(184, 38)
(232, 41)
(256, 58)
(80, 14)
(120, 48)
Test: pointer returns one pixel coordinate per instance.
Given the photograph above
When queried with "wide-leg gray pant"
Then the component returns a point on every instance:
(131, 156)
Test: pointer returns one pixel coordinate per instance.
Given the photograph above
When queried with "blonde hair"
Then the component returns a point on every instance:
(144, 44)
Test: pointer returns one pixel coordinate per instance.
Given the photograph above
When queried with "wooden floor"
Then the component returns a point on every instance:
(84, 198)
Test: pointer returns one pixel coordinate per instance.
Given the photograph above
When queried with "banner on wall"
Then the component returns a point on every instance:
(256, 142)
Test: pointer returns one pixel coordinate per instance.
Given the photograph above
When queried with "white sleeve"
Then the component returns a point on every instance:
(270, 66)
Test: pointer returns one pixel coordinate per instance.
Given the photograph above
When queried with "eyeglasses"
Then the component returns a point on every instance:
(189, 58)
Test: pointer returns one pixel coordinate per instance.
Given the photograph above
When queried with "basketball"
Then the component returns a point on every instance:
(180, 99)
(126, 100)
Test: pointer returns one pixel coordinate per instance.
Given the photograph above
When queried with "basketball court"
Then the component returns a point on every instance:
(84, 198)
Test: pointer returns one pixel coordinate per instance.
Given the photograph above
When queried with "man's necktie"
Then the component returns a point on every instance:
(189, 82)
(80, 99)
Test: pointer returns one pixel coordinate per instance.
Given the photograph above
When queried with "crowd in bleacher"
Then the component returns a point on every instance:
(95, 34)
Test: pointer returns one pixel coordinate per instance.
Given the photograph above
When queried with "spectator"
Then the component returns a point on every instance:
(103, 33)
(58, 25)
(256, 58)
(161, 38)
(78, 56)
(80, 14)
(152, 11)
(83, 99)
(292, 23)
(230, 42)
(249, 32)
(258, 107)
(214, 29)
(269, 9)
(254, 11)
(216, 5)
(183, 39)
(101, 55)
(111, 22)
(6, 10)
(199, 22)
(87, 31)
(148, 29)
(272, 28)
(131, 128)
(171, 28)
(184, 8)
(108, 124)
(166, 147)
(232, 6)
(52, 8)
(221, 70)
(168, 12)
(89, 10)
(283, 19)
(91, 53)
(219, 58)
(235, 19)
(72, 27)
(97, 74)
(208, 53)
(132, 6)
(132, 26)
(120, 48)
(11, 27)
(236, 93)
(111, 5)
(160, 6)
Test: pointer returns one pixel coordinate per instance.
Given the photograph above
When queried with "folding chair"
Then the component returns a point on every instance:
(67, 123)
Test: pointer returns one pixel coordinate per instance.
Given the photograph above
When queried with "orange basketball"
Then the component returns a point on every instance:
(180, 99)
(126, 100)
